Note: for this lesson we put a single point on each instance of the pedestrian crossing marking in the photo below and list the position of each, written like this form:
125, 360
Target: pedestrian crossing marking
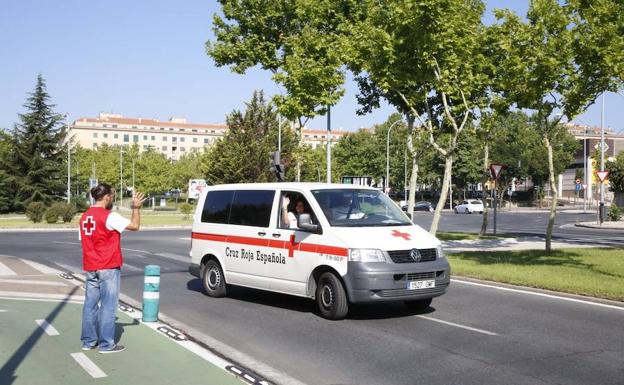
89, 366
4, 270
49, 329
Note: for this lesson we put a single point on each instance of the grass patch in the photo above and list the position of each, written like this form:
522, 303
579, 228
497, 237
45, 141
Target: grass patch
593, 272
15, 221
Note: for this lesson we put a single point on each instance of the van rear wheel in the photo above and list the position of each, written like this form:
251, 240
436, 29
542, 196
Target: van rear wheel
419, 304
331, 297
213, 279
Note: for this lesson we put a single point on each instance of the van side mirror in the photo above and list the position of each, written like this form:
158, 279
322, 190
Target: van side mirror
304, 222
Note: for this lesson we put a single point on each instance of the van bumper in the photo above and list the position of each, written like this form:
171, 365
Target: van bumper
194, 270
388, 282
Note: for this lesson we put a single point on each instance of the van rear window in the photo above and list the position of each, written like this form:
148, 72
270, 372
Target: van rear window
217, 206
252, 208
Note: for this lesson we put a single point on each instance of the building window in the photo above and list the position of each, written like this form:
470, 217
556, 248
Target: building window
126, 138
194, 140
212, 131
134, 126
95, 134
182, 129
170, 128
182, 149
94, 145
106, 125
135, 138
145, 146
164, 138
174, 139
162, 128
151, 128
174, 148
153, 137
144, 137
115, 136
105, 135
114, 126
181, 139
164, 148
205, 140
194, 130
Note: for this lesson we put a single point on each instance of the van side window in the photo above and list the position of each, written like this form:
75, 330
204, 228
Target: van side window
217, 206
252, 208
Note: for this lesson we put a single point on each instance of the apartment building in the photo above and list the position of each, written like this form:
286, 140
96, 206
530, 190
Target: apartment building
173, 138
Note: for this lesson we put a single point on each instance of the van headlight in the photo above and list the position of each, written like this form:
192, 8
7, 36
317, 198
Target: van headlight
366, 255
441, 252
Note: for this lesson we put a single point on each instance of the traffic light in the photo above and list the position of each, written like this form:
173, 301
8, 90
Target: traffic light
276, 166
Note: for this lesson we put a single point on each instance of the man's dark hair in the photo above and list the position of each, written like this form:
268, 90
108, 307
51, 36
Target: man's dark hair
100, 191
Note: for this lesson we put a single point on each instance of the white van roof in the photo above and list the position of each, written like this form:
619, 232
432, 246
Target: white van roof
291, 185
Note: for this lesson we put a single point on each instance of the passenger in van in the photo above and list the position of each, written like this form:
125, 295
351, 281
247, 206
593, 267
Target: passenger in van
289, 218
345, 208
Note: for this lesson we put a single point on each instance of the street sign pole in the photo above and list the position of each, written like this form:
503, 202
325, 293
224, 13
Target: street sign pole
495, 181
495, 170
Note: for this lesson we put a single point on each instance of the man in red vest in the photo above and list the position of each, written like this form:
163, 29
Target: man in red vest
100, 235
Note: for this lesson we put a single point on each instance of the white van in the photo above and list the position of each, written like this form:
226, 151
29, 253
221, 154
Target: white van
343, 244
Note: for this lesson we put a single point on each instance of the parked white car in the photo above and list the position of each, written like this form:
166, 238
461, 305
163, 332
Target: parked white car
469, 207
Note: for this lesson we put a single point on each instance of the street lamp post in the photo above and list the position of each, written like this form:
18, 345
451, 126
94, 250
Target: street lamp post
68, 163
329, 178
585, 172
602, 160
387, 186
120, 176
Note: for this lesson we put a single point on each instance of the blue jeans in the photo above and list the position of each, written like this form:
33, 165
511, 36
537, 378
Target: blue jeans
100, 308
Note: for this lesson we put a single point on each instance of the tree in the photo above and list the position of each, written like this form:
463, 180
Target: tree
301, 43
560, 59
616, 178
7, 173
39, 151
242, 155
427, 59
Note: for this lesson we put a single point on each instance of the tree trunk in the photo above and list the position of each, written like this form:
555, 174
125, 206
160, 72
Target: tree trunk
486, 170
414, 177
448, 168
554, 193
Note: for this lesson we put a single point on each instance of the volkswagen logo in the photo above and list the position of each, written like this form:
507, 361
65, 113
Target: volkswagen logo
415, 254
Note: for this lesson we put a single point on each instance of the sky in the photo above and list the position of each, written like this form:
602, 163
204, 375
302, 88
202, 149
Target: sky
147, 59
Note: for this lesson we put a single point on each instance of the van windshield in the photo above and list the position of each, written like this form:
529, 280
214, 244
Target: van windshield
359, 208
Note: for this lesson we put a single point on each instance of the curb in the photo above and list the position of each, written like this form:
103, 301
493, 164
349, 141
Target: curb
591, 225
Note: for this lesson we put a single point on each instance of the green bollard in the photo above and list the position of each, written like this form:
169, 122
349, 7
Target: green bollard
151, 293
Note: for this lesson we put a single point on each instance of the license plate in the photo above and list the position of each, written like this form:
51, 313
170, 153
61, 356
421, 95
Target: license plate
426, 284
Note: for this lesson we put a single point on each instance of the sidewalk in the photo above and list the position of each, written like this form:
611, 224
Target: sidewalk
40, 318
502, 244
619, 225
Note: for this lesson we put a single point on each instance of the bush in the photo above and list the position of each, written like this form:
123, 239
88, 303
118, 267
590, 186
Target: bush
51, 215
67, 212
186, 209
615, 213
35, 210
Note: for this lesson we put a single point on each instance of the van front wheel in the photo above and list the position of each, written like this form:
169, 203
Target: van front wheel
213, 279
331, 297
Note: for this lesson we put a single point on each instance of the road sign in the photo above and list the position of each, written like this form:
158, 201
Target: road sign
495, 169
605, 146
602, 175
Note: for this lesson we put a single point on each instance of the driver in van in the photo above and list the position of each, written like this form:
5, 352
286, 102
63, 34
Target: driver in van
289, 218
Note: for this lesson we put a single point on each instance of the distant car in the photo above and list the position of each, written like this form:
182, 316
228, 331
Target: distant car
469, 207
421, 206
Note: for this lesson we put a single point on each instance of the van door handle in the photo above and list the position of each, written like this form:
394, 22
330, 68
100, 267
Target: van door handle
261, 233
276, 235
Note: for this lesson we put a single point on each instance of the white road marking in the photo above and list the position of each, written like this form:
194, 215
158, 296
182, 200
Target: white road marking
4, 270
458, 325
175, 257
69, 268
3, 310
66, 243
49, 329
32, 282
89, 366
551, 296
127, 266
41, 297
39, 267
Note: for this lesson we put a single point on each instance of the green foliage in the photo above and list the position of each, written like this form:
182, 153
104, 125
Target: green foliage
39, 159
616, 173
615, 213
35, 211
301, 43
242, 155
8, 180
51, 215
67, 212
186, 209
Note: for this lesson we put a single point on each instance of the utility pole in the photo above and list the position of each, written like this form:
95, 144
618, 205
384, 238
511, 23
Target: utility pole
279, 133
120, 176
329, 179
602, 161
68, 163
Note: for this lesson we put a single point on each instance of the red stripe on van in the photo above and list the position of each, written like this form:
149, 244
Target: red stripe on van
308, 247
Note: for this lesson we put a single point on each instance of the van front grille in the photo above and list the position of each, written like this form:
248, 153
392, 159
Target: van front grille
404, 256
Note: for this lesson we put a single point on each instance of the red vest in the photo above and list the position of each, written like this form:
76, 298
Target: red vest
101, 248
